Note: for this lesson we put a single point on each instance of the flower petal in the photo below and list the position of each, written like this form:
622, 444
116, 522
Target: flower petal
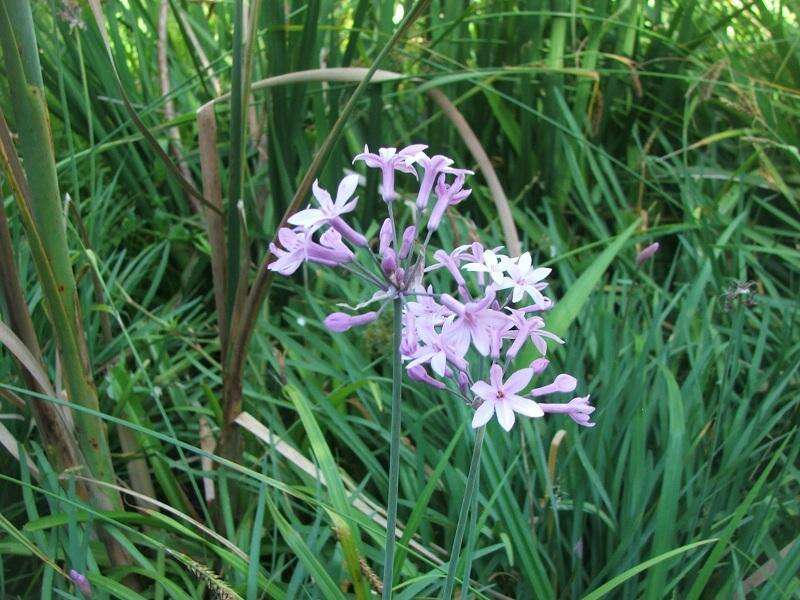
307, 218
412, 149
423, 355
346, 188
288, 238
322, 196
438, 363
484, 391
481, 340
518, 381
536, 295
540, 344
496, 376
539, 274
524, 406
475, 267
483, 415
505, 415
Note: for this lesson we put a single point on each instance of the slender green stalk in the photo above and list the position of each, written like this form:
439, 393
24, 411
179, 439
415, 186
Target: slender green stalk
466, 501
236, 169
471, 535
394, 451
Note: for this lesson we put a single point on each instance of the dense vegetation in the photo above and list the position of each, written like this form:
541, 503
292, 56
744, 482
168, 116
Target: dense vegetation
610, 125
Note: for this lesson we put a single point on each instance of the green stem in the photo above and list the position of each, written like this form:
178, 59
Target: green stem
469, 492
236, 169
394, 452
471, 536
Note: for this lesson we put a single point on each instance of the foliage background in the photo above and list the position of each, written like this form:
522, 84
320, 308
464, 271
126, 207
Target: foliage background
680, 114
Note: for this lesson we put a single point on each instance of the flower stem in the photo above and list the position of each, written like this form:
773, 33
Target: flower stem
394, 452
466, 501
472, 534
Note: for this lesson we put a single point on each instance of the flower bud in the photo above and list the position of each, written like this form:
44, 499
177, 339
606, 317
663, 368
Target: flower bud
389, 262
386, 236
562, 383
398, 278
463, 383
647, 253
339, 321
80, 581
418, 373
565, 383
409, 235
409, 341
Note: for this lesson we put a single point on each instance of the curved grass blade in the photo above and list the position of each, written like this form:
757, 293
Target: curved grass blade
633, 571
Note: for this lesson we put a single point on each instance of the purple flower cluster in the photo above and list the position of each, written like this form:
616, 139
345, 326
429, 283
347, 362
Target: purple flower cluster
463, 342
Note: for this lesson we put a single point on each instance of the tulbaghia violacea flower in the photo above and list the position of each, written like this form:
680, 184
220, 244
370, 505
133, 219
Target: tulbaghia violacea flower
440, 348
493, 264
563, 383
578, 410
529, 328
480, 302
409, 235
425, 308
475, 320
522, 279
447, 196
330, 212
299, 245
389, 160
432, 167
502, 398
449, 262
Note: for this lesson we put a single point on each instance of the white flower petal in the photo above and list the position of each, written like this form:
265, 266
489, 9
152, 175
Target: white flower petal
483, 391
518, 381
505, 415
483, 415
346, 188
322, 195
307, 218
524, 406
438, 363
475, 267
539, 274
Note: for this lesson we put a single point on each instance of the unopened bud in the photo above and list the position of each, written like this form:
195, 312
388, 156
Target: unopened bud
339, 321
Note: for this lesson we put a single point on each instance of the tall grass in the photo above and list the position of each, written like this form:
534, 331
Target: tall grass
599, 127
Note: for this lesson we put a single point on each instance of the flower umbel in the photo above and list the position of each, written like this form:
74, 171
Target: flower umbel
495, 306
